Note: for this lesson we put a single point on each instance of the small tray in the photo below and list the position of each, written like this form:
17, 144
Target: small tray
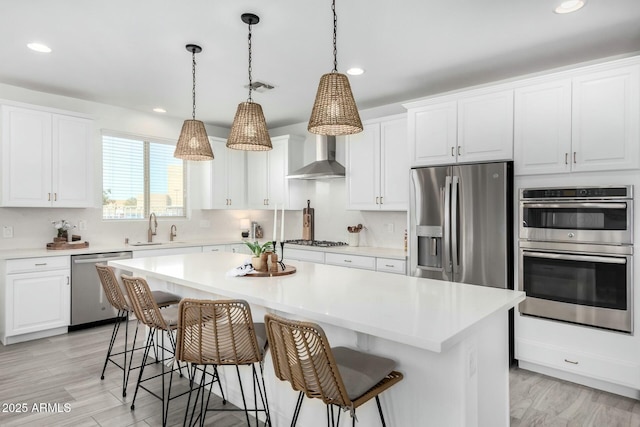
67, 245
289, 269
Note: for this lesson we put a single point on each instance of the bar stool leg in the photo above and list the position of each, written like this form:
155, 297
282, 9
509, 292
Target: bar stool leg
296, 412
114, 334
244, 403
380, 411
144, 362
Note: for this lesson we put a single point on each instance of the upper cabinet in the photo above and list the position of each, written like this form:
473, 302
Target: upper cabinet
47, 159
267, 183
461, 128
588, 122
228, 177
377, 169
606, 118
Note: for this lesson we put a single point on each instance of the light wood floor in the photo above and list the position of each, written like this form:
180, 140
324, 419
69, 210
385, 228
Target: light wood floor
66, 370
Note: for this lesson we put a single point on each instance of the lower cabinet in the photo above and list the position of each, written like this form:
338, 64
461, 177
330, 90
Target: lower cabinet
303, 255
37, 298
353, 261
391, 265
167, 251
590, 365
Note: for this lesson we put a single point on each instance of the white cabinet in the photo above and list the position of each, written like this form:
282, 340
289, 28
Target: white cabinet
238, 248
391, 265
353, 261
606, 120
37, 298
589, 122
467, 127
542, 128
47, 159
378, 166
214, 248
228, 177
303, 255
267, 171
166, 251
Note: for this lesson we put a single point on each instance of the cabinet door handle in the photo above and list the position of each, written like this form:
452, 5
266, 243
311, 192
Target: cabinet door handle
377, 200
453, 154
48, 197
389, 265
68, 283
230, 202
347, 260
55, 197
573, 362
381, 199
574, 157
459, 151
566, 157
42, 264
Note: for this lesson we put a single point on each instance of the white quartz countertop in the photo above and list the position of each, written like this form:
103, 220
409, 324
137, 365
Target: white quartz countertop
41, 252
429, 314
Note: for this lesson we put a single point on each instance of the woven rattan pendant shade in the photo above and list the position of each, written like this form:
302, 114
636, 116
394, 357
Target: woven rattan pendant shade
249, 129
335, 111
193, 143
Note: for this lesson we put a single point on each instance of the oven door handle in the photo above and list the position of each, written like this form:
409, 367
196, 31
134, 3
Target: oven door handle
588, 258
575, 205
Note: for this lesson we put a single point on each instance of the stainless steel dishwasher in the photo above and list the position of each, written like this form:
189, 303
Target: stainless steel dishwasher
89, 304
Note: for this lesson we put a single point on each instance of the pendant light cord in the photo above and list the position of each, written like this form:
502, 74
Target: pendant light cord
193, 92
335, 37
250, 82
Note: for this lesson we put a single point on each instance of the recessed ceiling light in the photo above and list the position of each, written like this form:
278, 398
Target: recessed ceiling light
355, 71
569, 6
159, 110
39, 47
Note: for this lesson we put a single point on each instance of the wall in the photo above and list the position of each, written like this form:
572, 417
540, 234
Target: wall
32, 226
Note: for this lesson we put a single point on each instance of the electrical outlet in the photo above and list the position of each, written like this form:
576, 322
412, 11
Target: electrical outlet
82, 225
7, 232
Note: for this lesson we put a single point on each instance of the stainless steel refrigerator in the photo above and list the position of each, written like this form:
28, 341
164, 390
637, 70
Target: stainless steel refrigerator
461, 223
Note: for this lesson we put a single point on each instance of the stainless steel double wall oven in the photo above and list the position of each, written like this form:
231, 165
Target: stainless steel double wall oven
576, 255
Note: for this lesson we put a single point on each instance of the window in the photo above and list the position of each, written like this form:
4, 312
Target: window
140, 176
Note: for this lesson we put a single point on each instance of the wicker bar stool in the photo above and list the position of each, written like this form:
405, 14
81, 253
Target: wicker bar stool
117, 298
341, 377
217, 333
163, 321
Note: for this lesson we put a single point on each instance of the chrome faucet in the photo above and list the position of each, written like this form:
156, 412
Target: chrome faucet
152, 231
172, 232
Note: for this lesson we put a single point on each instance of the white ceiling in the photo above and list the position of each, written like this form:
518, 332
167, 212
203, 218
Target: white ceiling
131, 53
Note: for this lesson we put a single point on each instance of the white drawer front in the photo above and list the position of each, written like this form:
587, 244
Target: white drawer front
26, 265
303, 255
391, 265
355, 261
589, 365
214, 248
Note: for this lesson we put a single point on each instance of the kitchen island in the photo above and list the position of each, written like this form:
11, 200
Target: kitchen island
450, 339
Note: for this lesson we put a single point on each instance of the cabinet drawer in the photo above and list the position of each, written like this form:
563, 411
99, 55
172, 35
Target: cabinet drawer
26, 265
214, 248
589, 365
355, 261
303, 255
391, 265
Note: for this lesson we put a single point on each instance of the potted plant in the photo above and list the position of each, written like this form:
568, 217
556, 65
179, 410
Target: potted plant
258, 250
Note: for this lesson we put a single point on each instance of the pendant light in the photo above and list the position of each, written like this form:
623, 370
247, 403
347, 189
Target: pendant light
249, 129
193, 143
335, 111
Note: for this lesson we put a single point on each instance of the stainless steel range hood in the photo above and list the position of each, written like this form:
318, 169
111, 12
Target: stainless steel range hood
325, 165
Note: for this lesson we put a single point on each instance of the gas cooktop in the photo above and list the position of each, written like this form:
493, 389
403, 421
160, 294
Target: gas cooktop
320, 243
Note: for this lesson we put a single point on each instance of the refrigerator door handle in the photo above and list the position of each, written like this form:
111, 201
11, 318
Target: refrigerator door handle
446, 238
454, 224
